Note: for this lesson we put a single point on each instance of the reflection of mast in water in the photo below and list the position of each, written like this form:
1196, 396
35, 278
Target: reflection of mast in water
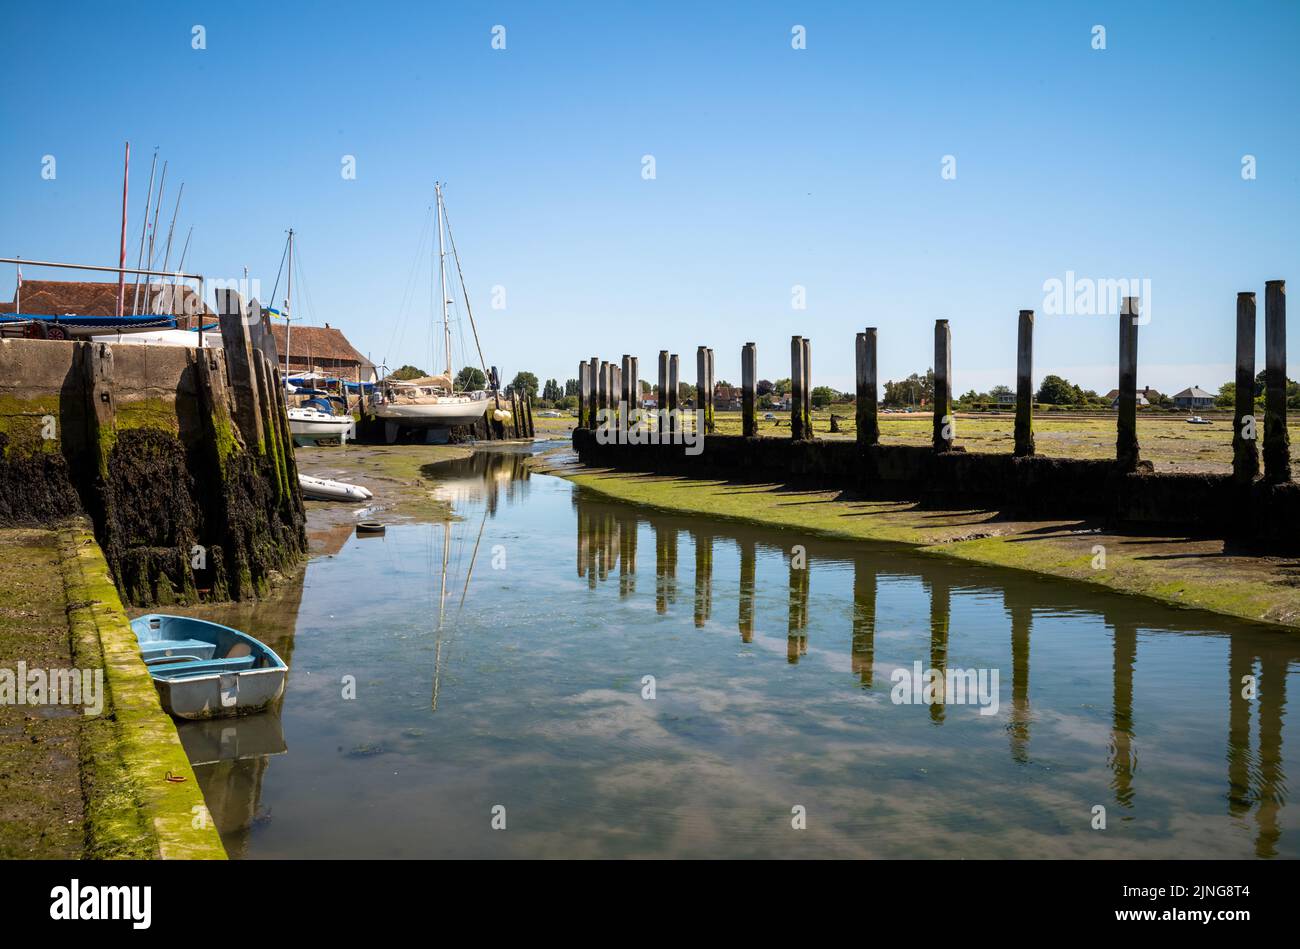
747, 568
862, 654
442, 599
703, 577
797, 637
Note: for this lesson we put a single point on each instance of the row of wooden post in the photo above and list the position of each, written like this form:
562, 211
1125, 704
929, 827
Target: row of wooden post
593, 397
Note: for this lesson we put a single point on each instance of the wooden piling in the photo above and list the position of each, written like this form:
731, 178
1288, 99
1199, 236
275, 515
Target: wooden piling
709, 427
942, 436
584, 393
593, 369
1245, 450
868, 420
796, 389
749, 390
615, 392
238, 346
674, 390
602, 392
625, 384
702, 386
1025, 385
1277, 444
635, 385
1126, 442
661, 393
807, 387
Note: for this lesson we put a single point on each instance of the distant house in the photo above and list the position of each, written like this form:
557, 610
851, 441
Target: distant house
1194, 398
726, 397
1005, 396
323, 350
1146, 396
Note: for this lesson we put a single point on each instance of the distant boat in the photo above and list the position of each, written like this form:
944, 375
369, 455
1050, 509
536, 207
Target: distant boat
205, 670
1197, 420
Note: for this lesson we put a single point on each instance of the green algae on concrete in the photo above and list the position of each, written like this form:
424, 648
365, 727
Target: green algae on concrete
141, 797
1205, 575
41, 813
25, 422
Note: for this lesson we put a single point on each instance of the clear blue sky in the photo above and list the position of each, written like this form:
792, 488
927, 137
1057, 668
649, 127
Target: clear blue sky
775, 167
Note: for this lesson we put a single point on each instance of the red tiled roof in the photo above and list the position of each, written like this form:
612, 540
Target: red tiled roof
87, 298
313, 344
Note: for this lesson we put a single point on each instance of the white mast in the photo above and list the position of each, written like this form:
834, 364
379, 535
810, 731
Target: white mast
442, 275
288, 314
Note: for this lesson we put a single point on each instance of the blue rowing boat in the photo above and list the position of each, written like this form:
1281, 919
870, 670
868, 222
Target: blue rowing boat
206, 670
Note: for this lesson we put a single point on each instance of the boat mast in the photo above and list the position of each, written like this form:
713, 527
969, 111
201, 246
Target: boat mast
465, 293
442, 278
288, 315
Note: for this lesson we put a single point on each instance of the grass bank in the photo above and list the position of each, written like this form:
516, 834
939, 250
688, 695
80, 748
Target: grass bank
1181, 571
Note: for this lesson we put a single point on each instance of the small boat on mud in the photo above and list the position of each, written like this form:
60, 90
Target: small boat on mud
206, 670
323, 489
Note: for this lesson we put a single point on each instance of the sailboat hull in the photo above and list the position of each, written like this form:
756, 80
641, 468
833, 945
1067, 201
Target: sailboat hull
441, 414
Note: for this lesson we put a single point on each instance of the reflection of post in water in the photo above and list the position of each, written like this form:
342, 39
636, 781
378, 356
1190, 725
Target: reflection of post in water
748, 562
582, 519
703, 577
1022, 617
1240, 665
1265, 787
1272, 779
665, 567
593, 549
863, 650
940, 616
627, 556
1122, 755
602, 546
797, 640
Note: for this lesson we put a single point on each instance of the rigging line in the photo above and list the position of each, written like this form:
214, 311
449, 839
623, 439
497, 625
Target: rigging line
276, 288
408, 293
463, 290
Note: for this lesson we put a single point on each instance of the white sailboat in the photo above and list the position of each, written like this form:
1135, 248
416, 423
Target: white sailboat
432, 401
308, 424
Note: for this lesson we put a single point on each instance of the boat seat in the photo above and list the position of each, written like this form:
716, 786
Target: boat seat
167, 650
196, 667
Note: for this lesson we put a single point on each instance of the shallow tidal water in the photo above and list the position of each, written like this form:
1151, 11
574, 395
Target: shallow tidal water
511, 688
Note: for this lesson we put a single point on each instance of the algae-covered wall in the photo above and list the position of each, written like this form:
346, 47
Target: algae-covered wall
143, 440
1038, 486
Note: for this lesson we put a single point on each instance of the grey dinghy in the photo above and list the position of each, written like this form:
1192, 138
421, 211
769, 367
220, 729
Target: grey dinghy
205, 670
